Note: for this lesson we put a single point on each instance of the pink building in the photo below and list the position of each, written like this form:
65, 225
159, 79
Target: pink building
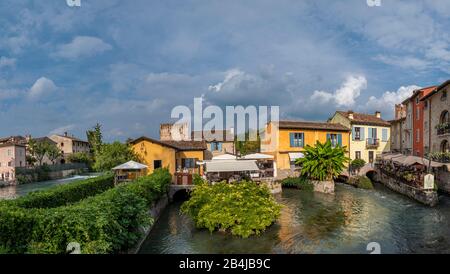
12, 156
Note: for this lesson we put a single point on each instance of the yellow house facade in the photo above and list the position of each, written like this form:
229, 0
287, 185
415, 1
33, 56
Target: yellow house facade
286, 140
370, 135
177, 156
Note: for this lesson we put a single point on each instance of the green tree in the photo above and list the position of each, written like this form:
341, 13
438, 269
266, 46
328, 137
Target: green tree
38, 150
247, 147
357, 164
112, 155
323, 162
53, 152
95, 138
80, 157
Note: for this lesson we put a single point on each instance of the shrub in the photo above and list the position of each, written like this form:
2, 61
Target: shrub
109, 222
66, 194
361, 182
357, 164
300, 182
242, 208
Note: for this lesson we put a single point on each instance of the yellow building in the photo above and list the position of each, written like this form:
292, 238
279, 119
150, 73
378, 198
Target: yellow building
370, 135
180, 157
286, 140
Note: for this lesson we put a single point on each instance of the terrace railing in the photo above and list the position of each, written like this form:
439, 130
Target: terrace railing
372, 143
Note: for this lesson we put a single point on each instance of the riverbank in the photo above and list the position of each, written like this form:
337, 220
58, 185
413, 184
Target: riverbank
318, 223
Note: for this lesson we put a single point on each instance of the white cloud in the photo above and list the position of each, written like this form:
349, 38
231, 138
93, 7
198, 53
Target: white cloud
230, 76
43, 86
82, 46
61, 130
7, 62
387, 101
345, 96
406, 62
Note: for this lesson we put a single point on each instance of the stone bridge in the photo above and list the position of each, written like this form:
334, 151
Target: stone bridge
174, 189
365, 170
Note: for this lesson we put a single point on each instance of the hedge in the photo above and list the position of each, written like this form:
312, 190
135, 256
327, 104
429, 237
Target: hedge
106, 223
66, 194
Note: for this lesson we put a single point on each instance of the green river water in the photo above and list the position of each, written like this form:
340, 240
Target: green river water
318, 223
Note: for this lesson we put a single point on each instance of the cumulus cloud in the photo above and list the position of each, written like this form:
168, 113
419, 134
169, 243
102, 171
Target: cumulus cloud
345, 96
43, 86
387, 101
82, 46
63, 129
7, 62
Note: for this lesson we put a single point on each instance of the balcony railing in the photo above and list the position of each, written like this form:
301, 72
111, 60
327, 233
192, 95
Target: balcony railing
443, 128
372, 143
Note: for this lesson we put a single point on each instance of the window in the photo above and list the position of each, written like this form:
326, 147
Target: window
157, 164
445, 117
445, 147
417, 100
336, 139
188, 163
62, 144
296, 139
384, 134
357, 154
9, 152
9, 163
425, 105
444, 95
216, 146
357, 134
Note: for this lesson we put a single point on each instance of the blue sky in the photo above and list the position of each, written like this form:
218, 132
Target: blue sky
126, 64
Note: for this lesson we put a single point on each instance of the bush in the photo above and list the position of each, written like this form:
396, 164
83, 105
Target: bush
299, 182
243, 208
361, 182
109, 222
66, 194
357, 164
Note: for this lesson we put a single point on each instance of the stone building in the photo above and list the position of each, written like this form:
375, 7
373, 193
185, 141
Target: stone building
219, 142
437, 119
397, 129
12, 156
69, 144
174, 132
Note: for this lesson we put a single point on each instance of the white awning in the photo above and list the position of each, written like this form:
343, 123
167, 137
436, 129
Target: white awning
131, 165
296, 155
257, 156
224, 157
231, 166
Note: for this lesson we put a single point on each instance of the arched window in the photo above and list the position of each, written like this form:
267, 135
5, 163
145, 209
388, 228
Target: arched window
445, 117
445, 147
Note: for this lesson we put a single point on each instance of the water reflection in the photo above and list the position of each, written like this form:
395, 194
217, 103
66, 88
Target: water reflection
318, 223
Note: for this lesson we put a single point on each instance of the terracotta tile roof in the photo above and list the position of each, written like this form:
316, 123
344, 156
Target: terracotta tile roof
311, 125
73, 138
13, 140
177, 145
365, 119
435, 90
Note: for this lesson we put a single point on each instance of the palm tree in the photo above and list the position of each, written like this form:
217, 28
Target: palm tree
323, 162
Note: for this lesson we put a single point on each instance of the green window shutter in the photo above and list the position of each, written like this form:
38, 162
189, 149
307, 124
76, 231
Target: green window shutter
339, 139
362, 132
385, 134
328, 137
291, 137
354, 133
370, 133
302, 144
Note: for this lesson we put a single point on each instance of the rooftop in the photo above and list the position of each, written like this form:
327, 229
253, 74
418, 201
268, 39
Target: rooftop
365, 119
311, 125
178, 145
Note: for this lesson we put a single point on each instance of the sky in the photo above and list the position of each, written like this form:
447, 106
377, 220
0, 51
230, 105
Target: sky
126, 64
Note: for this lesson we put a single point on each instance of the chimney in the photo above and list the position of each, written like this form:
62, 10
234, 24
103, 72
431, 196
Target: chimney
378, 114
65, 134
350, 114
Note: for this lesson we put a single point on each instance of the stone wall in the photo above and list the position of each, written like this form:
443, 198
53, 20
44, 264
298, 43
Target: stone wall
286, 173
426, 197
324, 186
443, 180
154, 212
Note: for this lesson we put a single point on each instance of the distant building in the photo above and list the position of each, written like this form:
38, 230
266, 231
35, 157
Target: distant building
397, 129
12, 156
70, 145
174, 132
437, 119
370, 135
219, 142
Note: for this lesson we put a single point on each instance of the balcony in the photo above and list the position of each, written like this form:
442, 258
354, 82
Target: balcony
372, 143
443, 128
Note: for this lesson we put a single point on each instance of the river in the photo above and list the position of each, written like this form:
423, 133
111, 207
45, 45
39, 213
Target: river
319, 223
11, 192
